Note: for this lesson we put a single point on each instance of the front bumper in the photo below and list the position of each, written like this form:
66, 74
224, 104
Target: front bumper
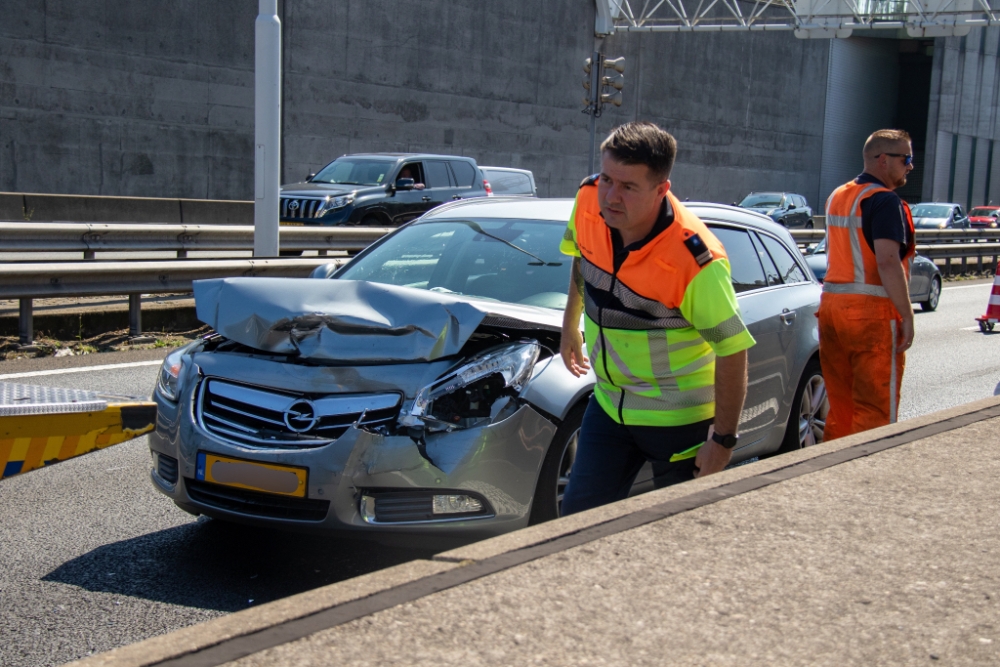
498, 463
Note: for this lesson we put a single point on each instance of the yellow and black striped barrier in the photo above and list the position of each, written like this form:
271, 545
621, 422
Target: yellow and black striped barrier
40, 426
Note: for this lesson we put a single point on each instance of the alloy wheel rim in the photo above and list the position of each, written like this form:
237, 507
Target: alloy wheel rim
935, 294
813, 409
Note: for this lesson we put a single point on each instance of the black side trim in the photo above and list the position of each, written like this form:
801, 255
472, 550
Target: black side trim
135, 417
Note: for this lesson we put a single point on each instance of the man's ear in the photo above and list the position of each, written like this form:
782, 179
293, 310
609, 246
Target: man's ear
663, 188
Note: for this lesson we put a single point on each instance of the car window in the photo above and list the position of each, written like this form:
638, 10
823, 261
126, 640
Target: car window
414, 170
802, 201
761, 200
930, 211
958, 211
465, 174
474, 258
437, 174
509, 183
788, 268
350, 171
770, 270
746, 270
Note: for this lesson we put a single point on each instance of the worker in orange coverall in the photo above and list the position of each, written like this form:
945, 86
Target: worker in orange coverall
865, 316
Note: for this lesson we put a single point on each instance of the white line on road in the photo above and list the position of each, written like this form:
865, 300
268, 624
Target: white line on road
968, 286
81, 369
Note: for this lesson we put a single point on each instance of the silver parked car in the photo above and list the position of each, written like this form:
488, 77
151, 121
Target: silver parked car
417, 391
928, 215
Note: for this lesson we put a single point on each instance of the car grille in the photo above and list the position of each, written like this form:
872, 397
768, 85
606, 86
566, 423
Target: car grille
297, 207
265, 418
166, 468
256, 503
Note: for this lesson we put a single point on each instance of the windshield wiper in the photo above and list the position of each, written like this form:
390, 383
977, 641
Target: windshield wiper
538, 260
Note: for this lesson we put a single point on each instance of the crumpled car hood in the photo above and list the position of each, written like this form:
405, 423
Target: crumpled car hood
352, 320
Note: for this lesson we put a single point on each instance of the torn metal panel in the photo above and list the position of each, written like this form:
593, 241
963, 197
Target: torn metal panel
348, 320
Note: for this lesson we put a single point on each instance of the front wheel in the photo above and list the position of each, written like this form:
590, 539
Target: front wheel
933, 296
554, 475
809, 409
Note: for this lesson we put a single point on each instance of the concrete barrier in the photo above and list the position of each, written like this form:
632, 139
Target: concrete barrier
40, 207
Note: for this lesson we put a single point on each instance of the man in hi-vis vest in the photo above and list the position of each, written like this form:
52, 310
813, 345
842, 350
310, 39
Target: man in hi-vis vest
662, 326
865, 316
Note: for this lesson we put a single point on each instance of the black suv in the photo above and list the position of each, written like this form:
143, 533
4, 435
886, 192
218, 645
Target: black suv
785, 208
380, 189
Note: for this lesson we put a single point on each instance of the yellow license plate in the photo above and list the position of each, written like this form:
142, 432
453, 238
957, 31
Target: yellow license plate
292, 224
252, 475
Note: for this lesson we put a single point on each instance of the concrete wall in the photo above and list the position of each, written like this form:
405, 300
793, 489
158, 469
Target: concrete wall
962, 128
153, 99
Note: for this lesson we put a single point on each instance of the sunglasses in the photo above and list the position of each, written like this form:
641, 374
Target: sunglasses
907, 158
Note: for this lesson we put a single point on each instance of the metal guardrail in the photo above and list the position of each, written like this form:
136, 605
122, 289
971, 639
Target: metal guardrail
29, 281
89, 238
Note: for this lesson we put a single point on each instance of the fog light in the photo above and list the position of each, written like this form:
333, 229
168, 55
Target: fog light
456, 505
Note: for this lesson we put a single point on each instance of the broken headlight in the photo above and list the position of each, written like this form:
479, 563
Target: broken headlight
465, 396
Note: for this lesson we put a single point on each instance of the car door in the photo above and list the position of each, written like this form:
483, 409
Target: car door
464, 176
405, 205
439, 187
760, 294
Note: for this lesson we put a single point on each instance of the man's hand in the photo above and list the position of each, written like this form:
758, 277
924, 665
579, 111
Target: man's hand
571, 349
571, 342
890, 271
904, 336
712, 457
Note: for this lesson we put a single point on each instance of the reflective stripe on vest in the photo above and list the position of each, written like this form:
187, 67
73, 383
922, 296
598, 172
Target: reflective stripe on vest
852, 265
652, 366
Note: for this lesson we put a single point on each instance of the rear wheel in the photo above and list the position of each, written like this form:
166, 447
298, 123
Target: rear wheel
809, 224
933, 296
809, 409
554, 475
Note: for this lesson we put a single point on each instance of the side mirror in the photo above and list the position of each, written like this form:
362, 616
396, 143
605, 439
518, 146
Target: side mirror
791, 207
404, 183
310, 177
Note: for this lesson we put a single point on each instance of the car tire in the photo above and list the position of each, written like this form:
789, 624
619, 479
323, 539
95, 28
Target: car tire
810, 224
933, 296
782, 223
554, 475
809, 409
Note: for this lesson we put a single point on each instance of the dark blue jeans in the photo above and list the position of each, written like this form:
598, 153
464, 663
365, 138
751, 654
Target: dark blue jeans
609, 455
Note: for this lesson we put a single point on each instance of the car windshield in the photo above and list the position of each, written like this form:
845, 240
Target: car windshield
353, 171
517, 261
931, 211
983, 212
762, 199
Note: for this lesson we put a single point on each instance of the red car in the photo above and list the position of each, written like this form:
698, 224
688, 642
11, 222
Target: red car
984, 217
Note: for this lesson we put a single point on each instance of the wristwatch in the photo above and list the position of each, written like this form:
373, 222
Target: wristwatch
727, 441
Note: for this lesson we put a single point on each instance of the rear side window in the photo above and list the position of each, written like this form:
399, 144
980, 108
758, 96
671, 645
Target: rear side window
437, 174
465, 174
509, 183
788, 268
743, 260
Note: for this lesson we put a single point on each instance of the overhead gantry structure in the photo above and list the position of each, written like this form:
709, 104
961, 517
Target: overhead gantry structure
807, 18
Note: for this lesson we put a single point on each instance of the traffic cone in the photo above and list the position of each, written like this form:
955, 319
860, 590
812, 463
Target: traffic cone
992, 316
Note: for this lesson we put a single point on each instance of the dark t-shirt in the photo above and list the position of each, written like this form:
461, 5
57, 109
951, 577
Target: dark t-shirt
882, 216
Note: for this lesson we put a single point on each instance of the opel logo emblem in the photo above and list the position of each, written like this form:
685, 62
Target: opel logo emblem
300, 416
293, 205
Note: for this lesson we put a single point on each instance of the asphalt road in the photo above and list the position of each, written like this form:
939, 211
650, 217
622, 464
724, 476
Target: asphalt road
91, 557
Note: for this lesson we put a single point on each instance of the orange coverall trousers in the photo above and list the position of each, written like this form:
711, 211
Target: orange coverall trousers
863, 371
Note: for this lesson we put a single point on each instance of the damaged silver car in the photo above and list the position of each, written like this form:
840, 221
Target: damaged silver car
417, 390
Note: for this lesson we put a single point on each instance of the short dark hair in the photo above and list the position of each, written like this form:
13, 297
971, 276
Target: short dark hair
881, 141
645, 143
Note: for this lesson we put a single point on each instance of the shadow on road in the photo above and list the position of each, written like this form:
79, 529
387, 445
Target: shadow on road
227, 567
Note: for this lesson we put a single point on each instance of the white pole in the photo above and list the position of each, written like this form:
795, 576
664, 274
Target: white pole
267, 129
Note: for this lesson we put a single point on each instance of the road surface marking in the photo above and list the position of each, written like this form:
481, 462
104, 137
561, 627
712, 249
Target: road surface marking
968, 286
81, 369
